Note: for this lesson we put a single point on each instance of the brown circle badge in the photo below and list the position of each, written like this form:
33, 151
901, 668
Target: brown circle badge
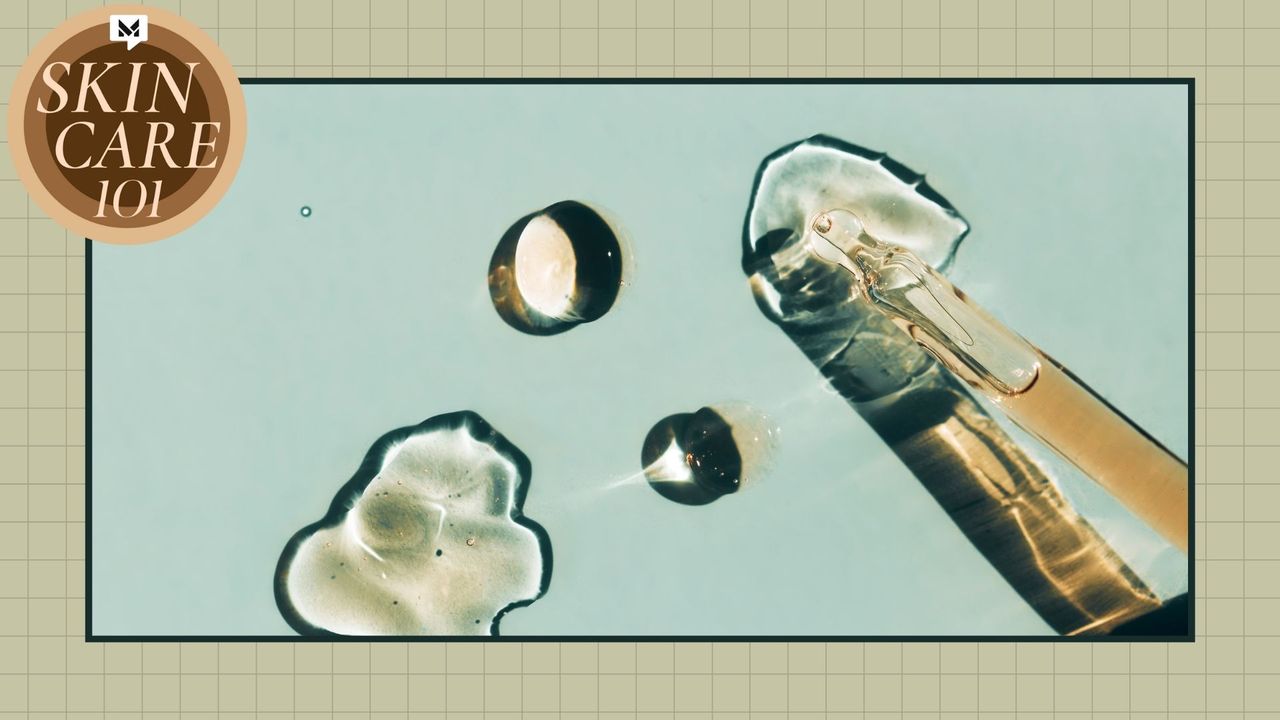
126, 124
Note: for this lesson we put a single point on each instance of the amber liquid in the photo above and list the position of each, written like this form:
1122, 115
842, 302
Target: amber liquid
1003, 502
1062, 412
1009, 509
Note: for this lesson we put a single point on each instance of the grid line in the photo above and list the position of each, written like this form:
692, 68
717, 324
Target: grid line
46, 671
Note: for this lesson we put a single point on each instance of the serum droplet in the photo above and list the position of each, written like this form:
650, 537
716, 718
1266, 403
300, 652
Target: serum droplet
557, 268
696, 458
450, 465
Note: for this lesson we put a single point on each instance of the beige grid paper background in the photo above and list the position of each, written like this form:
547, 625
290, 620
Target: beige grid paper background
1231, 47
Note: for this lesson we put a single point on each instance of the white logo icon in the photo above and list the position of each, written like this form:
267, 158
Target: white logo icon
130, 29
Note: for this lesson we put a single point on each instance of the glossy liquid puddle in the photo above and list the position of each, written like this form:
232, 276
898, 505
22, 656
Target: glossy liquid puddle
428, 538
697, 458
557, 268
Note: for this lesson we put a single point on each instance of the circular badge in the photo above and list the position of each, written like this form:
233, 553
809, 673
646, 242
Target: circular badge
126, 124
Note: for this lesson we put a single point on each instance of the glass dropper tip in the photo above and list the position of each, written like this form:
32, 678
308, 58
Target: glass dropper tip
835, 236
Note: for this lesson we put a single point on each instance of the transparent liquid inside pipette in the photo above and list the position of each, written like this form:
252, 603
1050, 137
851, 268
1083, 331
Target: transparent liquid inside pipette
933, 312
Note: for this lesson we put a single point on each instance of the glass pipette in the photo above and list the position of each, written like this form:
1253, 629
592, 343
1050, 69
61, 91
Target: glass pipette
1036, 392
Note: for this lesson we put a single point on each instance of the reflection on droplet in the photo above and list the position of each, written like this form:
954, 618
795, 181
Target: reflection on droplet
391, 519
557, 268
305, 211
696, 458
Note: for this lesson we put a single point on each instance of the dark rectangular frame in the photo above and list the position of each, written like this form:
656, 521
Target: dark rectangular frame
1189, 83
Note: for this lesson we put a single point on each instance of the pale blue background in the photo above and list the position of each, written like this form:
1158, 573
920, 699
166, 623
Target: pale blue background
242, 369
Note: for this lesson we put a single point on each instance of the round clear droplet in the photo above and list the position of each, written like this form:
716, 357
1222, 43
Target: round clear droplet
696, 458
558, 268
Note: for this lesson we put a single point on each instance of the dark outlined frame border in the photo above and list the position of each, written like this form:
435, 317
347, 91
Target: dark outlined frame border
1187, 82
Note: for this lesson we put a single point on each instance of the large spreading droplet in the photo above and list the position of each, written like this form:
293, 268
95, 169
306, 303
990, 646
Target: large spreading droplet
428, 538
556, 268
696, 458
